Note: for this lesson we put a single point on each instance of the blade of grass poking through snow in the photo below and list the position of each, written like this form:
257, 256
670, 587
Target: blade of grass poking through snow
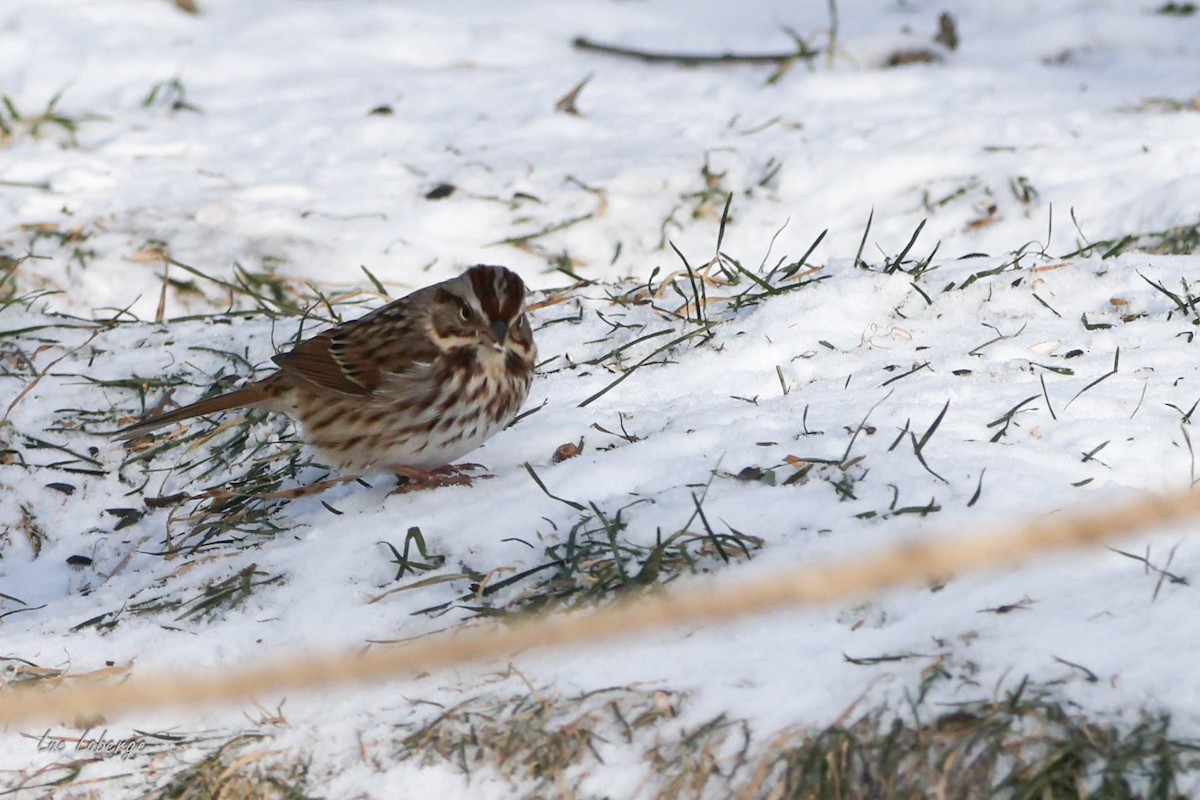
1187, 308
39, 375
239, 361
595, 561
627, 345
1187, 415
1090, 455
1046, 395
767, 288
987, 273
978, 489
528, 413
771, 246
919, 444
266, 289
899, 260
1119, 247
1141, 399
804, 258
34, 443
708, 528
320, 300
895, 378
1161, 572
404, 563
542, 486
1116, 365
694, 59
374, 281
524, 239
920, 291
1007, 418
796, 266
854, 436
243, 285
698, 297
228, 594
721, 227
162, 294
900, 436
858, 262
705, 330
998, 338
611, 529
1047, 305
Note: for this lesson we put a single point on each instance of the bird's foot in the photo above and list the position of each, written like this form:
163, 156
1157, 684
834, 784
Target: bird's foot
414, 480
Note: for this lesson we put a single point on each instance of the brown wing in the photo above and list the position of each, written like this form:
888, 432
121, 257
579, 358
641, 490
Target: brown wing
354, 357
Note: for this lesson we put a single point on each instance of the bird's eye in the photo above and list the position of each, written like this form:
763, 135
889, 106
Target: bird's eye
466, 313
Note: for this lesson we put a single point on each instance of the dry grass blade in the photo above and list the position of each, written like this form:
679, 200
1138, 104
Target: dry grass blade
701, 330
38, 377
695, 59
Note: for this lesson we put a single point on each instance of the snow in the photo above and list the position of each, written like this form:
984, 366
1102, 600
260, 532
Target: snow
284, 170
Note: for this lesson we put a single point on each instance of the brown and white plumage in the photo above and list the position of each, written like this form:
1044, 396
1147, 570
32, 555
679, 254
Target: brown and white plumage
415, 384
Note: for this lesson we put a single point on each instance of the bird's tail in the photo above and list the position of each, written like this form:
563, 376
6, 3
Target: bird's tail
251, 396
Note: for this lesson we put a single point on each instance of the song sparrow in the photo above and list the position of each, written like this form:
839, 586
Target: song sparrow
409, 387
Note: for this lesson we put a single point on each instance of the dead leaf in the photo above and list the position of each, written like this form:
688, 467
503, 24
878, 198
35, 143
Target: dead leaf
568, 450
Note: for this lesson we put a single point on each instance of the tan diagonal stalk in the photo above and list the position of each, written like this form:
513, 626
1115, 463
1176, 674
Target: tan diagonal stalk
855, 576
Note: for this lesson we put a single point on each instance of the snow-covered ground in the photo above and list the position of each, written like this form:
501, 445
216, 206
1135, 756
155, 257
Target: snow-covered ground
337, 142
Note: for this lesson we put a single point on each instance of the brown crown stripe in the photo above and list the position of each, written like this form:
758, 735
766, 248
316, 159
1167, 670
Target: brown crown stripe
514, 294
485, 289
500, 293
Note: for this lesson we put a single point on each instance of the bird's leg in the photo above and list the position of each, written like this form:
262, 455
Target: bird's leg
414, 480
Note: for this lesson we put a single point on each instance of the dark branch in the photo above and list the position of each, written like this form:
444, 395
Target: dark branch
694, 60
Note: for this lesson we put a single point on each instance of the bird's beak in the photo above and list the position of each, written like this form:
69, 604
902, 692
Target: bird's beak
499, 332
